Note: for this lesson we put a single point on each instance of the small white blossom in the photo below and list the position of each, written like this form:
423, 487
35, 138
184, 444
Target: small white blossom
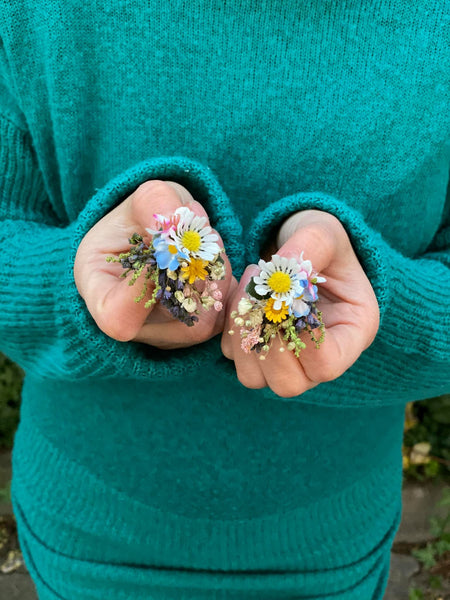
189, 304
244, 306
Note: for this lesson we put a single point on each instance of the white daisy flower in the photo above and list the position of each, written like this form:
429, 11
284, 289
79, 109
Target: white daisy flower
193, 237
279, 278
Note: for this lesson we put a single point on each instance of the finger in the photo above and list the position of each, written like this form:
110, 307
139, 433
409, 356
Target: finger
229, 340
284, 372
341, 348
325, 243
248, 368
165, 332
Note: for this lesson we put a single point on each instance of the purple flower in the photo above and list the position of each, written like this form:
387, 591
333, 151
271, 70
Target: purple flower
300, 324
312, 321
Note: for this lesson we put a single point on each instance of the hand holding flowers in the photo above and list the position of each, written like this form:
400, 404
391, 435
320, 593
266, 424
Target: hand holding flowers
182, 253
348, 307
193, 276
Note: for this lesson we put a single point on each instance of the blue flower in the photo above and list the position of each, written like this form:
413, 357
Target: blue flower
167, 255
300, 308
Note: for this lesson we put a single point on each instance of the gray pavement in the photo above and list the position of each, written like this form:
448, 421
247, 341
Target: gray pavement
419, 504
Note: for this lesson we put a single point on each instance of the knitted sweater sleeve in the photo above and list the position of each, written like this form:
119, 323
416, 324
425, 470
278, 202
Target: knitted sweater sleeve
44, 324
410, 357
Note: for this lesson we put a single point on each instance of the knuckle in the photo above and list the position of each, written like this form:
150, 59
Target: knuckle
286, 386
201, 332
182, 192
328, 371
115, 328
248, 380
287, 391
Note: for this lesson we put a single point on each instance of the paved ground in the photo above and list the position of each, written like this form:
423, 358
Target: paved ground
419, 504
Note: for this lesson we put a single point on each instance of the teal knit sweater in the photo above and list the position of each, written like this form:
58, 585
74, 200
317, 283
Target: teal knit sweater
148, 474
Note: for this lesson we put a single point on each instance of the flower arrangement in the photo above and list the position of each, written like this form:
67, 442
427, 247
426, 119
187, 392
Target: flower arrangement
281, 303
183, 260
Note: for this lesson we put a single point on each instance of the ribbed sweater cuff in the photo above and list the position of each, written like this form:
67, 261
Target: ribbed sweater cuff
33, 291
91, 352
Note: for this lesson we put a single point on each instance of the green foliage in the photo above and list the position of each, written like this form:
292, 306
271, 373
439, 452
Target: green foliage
436, 582
251, 291
433, 419
415, 594
10, 387
427, 555
435, 553
5, 493
432, 469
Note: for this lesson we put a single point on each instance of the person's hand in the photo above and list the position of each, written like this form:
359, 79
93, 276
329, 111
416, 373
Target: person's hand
347, 301
110, 300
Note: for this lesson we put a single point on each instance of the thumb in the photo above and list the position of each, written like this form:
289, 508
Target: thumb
313, 233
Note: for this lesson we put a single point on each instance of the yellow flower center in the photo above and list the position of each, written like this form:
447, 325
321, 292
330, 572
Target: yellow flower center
172, 249
195, 270
279, 282
191, 240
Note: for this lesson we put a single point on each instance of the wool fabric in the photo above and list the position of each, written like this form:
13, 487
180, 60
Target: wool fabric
147, 474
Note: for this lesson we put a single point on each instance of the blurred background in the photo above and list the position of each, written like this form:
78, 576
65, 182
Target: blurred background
420, 565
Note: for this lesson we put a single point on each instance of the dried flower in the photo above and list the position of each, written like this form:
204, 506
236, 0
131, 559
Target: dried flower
183, 251
244, 306
280, 303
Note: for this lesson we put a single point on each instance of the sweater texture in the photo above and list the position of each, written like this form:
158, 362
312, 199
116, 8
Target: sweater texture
148, 474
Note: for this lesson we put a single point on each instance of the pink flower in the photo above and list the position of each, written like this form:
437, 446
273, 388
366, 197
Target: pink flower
218, 306
250, 340
217, 295
166, 225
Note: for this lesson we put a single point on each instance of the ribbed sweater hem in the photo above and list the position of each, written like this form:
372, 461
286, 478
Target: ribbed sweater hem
57, 495
60, 577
